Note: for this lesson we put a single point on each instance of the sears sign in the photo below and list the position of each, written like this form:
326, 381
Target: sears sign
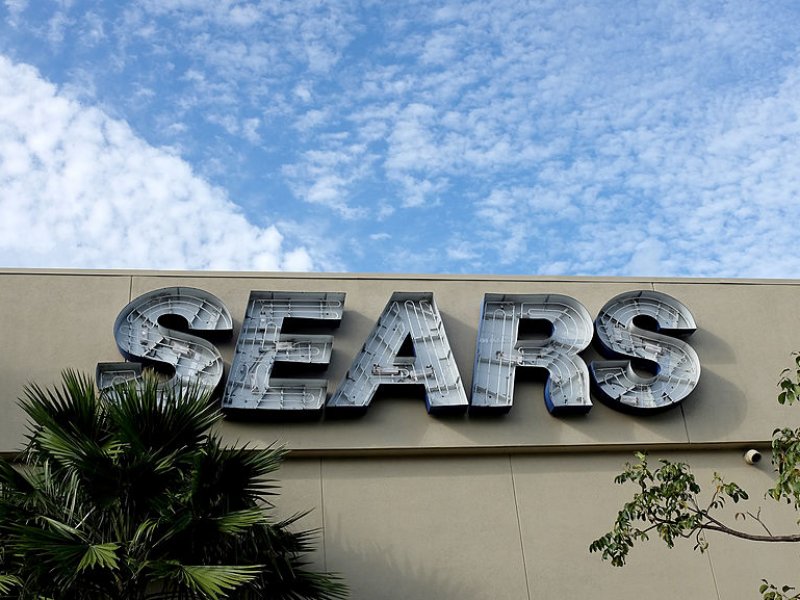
408, 345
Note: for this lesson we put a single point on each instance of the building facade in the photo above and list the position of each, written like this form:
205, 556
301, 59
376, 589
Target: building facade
459, 503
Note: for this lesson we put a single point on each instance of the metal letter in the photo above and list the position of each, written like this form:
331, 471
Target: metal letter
141, 337
407, 315
261, 344
499, 351
676, 365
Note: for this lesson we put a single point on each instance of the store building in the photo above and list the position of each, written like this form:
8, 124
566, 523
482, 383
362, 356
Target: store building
498, 503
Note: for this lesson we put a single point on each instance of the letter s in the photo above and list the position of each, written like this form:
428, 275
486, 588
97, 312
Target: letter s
144, 334
674, 362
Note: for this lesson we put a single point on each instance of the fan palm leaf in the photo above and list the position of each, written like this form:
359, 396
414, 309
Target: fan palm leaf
127, 494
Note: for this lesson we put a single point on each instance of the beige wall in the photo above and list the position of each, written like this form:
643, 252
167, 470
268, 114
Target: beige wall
486, 508
519, 527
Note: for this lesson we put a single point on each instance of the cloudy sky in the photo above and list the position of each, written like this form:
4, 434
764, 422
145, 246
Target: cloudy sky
602, 138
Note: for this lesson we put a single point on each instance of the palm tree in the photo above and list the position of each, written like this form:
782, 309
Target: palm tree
128, 494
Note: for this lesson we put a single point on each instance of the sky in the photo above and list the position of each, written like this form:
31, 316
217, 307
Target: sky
499, 137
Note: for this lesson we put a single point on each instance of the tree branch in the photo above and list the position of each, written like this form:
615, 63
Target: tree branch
722, 528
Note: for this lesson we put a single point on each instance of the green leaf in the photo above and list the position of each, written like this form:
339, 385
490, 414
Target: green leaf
238, 521
212, 581
8, 583
130, 490
100, 555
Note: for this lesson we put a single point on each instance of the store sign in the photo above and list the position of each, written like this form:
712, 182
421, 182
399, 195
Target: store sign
408, 346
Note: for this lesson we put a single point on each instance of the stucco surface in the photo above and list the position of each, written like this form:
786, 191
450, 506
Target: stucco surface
49, 323
519, 527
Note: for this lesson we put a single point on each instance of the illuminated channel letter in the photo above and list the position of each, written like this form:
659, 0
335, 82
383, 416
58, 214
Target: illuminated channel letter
500, 351
262, 344
144, 334
674, 363
388, 358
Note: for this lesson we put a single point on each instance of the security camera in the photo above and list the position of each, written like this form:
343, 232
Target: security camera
752, 457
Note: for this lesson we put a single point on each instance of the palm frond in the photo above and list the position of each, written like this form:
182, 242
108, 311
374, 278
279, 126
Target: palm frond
99, 555
235, 478
8, 583
12, 478
160, 420
126, 493
209, 581
237, 521
72, 407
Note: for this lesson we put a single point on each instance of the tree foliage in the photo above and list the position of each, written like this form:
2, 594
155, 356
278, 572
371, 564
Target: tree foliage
128, 494
667, 502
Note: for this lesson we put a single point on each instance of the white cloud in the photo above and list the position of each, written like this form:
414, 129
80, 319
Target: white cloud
384, 211
419, 191
462, 250
325, 177
250, 130
578, 138
15, 8
310, 120
647, 258
80, 189
56, 28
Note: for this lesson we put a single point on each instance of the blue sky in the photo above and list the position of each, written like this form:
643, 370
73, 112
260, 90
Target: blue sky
563, 138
